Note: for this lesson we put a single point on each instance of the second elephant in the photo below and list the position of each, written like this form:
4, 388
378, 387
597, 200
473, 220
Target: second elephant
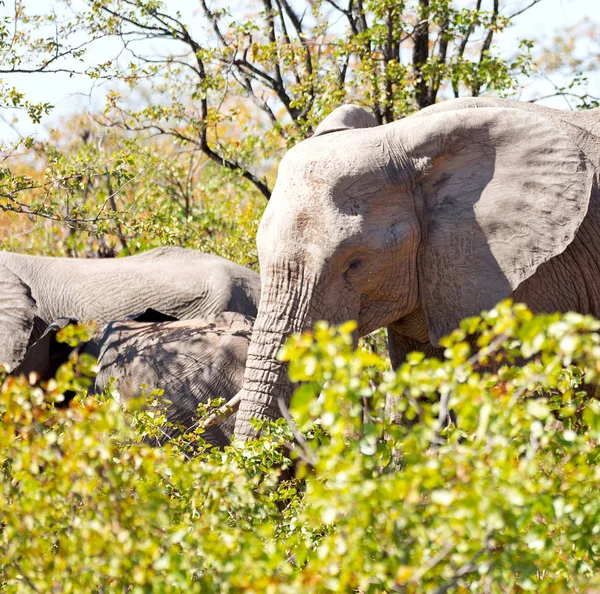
193, 361
182, 283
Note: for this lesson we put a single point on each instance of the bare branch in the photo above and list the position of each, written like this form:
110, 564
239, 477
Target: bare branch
43, 67
533, 3
421, 53
113, 205
287, 38
202, 143
434, 83
262, 104
563, 94
306, 453
210, 15
273, 39
222, 413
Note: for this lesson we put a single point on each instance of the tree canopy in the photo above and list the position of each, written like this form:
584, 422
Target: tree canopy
239, 84
235, 86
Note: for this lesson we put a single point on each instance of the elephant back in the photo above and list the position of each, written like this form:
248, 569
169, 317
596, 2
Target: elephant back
183, 283
191, 361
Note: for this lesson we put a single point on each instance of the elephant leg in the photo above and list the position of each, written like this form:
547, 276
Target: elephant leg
399, 346
17, 314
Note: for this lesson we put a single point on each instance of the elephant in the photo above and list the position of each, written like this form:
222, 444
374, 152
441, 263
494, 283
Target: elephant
183, 283
414, 225
192, 361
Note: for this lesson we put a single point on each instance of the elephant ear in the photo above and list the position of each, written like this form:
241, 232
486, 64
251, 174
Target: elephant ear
17, 315
503, 191
46, 355
346, 117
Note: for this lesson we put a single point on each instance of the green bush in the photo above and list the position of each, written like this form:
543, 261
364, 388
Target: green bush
507, 499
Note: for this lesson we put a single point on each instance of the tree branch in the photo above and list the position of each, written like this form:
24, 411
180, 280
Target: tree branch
461, 49
524, 9
436, 77
485, 48
421, 53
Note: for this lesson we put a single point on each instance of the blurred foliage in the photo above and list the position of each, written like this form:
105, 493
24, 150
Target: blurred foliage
573, 55
89, 191
507, 499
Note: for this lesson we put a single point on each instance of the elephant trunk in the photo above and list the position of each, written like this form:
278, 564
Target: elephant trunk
286, 307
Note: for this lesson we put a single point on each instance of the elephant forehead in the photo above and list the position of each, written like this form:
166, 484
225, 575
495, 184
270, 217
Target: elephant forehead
337, 156
314, 230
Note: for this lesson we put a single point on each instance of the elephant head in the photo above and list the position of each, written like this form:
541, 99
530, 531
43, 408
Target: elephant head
445, 214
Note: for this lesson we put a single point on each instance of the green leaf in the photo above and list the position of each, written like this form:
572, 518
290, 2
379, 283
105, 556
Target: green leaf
538, 409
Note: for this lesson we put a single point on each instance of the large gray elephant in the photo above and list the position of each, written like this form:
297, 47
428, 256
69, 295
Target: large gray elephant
183, 283
192, 361
417, 224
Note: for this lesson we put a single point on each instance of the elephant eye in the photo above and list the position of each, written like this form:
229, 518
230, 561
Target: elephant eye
353, 266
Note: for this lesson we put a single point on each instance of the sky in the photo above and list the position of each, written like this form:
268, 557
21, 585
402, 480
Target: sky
72, 94
543, 21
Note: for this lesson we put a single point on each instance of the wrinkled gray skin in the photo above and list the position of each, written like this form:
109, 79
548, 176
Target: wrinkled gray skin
183, 283
193, 361
417, 224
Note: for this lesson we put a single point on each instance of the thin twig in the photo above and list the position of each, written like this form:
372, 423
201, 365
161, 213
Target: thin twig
309, 455
222, 413
524, 9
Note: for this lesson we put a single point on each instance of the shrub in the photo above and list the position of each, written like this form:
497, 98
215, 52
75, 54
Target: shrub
506, 499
